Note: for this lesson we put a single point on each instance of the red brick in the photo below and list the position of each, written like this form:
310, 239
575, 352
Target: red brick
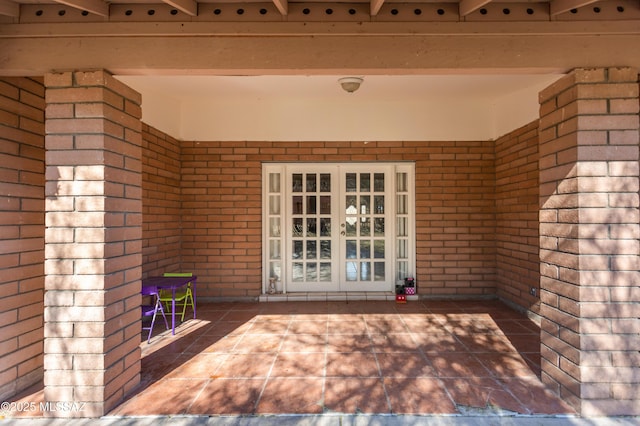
607, 122
9, 89
624, 106
624, 137
550, 93
590, 75
70, 95
622, 391
608, 91
22, 108
604, 201
62, 79
623, 74
93, 265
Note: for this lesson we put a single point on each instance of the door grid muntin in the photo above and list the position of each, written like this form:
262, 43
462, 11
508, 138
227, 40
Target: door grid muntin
364, 227
311, 223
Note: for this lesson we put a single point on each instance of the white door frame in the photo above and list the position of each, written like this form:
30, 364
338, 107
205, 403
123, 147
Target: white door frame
399, 223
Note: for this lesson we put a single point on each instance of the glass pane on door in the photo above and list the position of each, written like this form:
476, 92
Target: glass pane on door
363, 245
310, 219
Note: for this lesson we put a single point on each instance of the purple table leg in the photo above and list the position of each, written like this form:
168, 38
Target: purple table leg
173, 310
194, 297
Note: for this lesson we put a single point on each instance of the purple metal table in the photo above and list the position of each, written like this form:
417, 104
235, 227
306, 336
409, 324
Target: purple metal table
172, 283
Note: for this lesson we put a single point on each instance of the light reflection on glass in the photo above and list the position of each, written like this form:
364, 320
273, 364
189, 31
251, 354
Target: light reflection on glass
352, 248
379, 271
365, 271
312, 271
325, 271
378, 249
365, 182
296, 183
311, 249
351, 270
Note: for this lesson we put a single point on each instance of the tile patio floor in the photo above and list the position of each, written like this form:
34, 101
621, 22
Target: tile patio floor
425, 357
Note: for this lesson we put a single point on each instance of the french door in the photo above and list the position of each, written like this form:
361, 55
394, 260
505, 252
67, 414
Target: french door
337, 227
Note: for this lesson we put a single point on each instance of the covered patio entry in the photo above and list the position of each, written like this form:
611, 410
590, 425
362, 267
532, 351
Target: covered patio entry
464, 358
100, 189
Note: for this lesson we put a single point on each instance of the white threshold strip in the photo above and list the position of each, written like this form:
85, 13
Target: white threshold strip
319, 296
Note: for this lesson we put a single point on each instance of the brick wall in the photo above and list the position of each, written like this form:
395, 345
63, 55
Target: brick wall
455, 232
161, 215
21, 233
455, 217
93, 248
589, 239
517, 240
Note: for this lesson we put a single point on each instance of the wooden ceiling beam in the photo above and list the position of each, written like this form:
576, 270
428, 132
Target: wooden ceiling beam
375, 6
467, 7
9, 8
557, 7
283, 6
190, 7
98, 7
140, 48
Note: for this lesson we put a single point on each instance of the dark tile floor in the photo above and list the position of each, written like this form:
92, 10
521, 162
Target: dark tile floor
423, 357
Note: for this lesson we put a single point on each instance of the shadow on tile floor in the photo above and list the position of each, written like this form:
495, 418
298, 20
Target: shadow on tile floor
351, 358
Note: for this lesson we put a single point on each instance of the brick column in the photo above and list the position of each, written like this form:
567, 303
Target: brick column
93, 246
589, 240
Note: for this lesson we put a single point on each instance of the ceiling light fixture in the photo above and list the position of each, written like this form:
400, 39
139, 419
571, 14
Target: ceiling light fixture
350, 84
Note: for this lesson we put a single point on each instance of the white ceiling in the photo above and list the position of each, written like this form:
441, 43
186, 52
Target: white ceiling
298, 107
375, 87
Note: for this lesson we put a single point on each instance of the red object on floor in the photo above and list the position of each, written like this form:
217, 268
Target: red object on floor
401, 298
